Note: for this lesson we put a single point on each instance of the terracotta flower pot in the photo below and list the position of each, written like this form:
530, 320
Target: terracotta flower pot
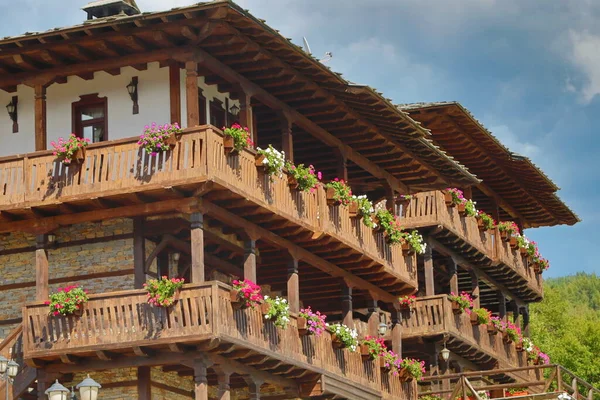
331, 201
474, 319
523, 251
506, 338
172, 140
480, 225
353, 209
513, 243
236, 301
407, 249
265, 308
364, 352
519, 347
448, 199
228, 144
292, 182
504, 236
462, 209
491, 329
456, 308
336, 342
302, 326
258, 161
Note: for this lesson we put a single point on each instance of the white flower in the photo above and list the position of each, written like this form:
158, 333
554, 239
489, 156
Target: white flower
266, 297
267, 316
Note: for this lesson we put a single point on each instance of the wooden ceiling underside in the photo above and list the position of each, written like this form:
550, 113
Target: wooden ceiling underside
357, 116
515, 180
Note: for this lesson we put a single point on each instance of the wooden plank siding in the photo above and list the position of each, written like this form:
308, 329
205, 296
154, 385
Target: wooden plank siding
121, 321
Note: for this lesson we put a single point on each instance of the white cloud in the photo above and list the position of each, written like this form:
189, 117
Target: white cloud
585, 56
514, 142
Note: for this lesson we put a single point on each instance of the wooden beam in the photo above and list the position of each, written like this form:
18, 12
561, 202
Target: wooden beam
303, 254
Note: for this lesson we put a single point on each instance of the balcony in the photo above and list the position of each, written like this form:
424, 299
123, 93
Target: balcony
122, 324
36, 192
428, 211
433, 317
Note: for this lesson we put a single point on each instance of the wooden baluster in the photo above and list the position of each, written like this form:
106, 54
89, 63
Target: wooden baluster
197, 239
41, 268
139, 253
575, 388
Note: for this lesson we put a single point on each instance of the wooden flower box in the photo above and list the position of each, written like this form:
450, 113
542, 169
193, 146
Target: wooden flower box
292, 182
474, 319
331, 201
456, 308
228, 145
364, 352
491, 329
407, 249
448, 199
302, 326
336, 342
461, 209
353, 209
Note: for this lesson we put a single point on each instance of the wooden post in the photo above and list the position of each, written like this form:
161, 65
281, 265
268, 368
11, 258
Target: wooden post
475, 288
250, 260
397, 332
428, 267
373, 315
144, 386
40, 117
139, 253
197, 239
42, 384
224, 392
287, 141
191, 93
525, 311
495, 210
468, 193
253, 387
245, 115
515, 311
502, 305
293, 285
347, 304
41, 268
200, 381
342, 164
175, 92
453, 271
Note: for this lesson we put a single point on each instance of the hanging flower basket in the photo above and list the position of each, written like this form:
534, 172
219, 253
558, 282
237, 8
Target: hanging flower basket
474, 319
492, 329
292, 182
456, 309
336, 342
331, 201
353, 209
228, 145
302, 326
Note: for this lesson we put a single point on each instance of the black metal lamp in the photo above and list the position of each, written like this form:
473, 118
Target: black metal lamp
235, 110
132, 89
12, 113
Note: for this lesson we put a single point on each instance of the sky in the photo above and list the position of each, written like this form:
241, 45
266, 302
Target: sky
529, 70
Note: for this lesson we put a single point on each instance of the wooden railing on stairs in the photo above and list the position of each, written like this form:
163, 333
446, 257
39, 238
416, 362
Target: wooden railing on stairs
12, 348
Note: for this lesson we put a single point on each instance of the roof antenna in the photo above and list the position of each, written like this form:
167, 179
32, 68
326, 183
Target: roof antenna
328, 54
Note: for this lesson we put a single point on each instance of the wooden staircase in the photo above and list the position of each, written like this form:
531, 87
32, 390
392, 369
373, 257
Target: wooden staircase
12, 348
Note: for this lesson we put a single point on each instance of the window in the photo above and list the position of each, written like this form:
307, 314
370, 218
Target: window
201, 107
90, 119
217, 113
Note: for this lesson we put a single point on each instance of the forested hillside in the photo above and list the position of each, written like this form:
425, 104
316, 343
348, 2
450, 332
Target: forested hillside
566, 325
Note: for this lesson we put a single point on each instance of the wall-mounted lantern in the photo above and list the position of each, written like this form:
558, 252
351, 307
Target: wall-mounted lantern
132, 89
234, 110
12, 113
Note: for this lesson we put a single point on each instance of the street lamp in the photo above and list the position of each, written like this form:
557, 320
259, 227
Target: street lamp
57, 392
88, 389
382, 328
445, 353
8, 371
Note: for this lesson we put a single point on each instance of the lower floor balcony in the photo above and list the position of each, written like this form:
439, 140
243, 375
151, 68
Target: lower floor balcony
122, 329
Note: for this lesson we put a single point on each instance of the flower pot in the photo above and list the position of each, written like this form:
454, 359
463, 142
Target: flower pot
504, 236
537, 268
513, 243
336, 342
456, 308
519, 346
378, 227
172, 140
79, 311
292, 182
331, 201
491, 329
407, 249
404, 375
364, 352
506, 338
474, 319
258, 161
302, 326
228, 144
523, 251
79, 156
353, 209
462, 209
516, 394
236, 301
448, 199
265, 308
480, 225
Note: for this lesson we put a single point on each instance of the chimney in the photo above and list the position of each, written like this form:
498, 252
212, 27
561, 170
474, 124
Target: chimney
110, 8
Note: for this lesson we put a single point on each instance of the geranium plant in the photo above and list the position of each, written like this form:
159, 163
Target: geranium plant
66, 150
241, 136
483, 316
415, 241
507, 229
315, 321
161, 293
470, 209
272, 161
156, 138
374, 346
247, 293
408, 301
390, 224
392, 362
414, 368
463, 301
67, 300
511, 331
456, 196
542, 264
346, 336
306, 178
365, 209
338, 192
279, 311
487, 222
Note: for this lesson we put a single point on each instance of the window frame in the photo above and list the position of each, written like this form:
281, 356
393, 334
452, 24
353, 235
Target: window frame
89, 100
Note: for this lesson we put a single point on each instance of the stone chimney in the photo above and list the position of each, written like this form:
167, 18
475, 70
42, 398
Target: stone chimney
110, 8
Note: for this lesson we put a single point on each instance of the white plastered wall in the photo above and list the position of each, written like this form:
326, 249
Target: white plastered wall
24, 140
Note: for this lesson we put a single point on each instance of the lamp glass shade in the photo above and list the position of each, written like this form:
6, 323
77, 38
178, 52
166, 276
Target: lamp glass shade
382, 328
445, 354
10, 107
176, 256
131, 88
235, 110
12, 369
57, 392
88, 389
3, 364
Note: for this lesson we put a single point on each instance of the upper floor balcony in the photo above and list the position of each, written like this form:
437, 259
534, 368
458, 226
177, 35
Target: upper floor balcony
484, 249
121, 328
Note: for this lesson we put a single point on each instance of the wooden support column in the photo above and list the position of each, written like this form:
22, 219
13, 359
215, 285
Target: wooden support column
525, 312
390, 198
41, 137
428, 266
397, 332
191, 93
253, 387
200, 380
502, 305
342, 164
41, 268
475, 288
453, 271
245, 115
224, 393
139, 253
373, 315
144, 385
515, 312
250, 260
468, 193
42, 384
175, 92
293, 285
495, 210
197, 239
347, 304
287, 141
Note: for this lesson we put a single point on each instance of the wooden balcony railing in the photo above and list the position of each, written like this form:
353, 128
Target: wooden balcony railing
429, 209
433, 315
121, 320
121, 167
